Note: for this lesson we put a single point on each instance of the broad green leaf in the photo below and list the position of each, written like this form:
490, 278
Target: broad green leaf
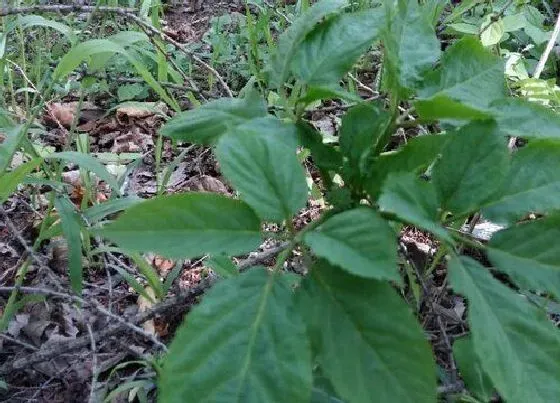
290, 39
91, 48
321, 396
530, 253
186, 226
469, 74
332, 48
415, 156
12, 136
243, 343
89, 163
363, 126
324, 156
517, 345
532, 184
10, 180
522, 118
462, 28
223, 266
414, 201
359, 241
433, 9
441, 106
477, 381
366, 339
411, 45
99, 211
323, 391
514, 22
491, 31
259, 159
205, 124
71, 228
473, 165
328, 92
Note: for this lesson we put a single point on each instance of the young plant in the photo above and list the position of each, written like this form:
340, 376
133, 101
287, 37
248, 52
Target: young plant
342, 331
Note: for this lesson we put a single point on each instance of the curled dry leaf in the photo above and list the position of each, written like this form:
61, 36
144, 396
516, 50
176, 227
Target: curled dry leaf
144, 305
63, 113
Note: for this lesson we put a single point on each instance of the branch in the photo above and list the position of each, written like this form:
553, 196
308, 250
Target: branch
60, 8
403, 249
50, 351
548, 49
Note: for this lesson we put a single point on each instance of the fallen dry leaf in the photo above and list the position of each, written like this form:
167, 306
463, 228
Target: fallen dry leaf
145, 304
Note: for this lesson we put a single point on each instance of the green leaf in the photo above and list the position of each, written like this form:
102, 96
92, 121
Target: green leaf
363, 126
243, 343
411, 45
414, 201
98, 212
324, 156
128, 92
223, 266
477, 381
290, 39
313, 94
359, 241
493, 31
28, 21
332, 48
366, 339
469, 74
94, 47
532, 184
71, 228
522, 118
187, 225
12, 137
516, 343
530, 254
88, 162
416, 155
441, 106
10, 180
473, 165
433, 9
205, 124
462, 28
259, 159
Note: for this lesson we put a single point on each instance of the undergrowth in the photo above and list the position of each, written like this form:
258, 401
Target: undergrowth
445, 118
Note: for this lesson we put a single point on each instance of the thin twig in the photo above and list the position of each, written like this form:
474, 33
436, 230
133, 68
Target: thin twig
19, 342
92, 397
261, 256
8, 222
94, 304
153, 30
48, 352
428, 297
548, 49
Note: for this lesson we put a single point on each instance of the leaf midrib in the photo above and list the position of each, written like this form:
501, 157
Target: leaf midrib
253, 335
358, 328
